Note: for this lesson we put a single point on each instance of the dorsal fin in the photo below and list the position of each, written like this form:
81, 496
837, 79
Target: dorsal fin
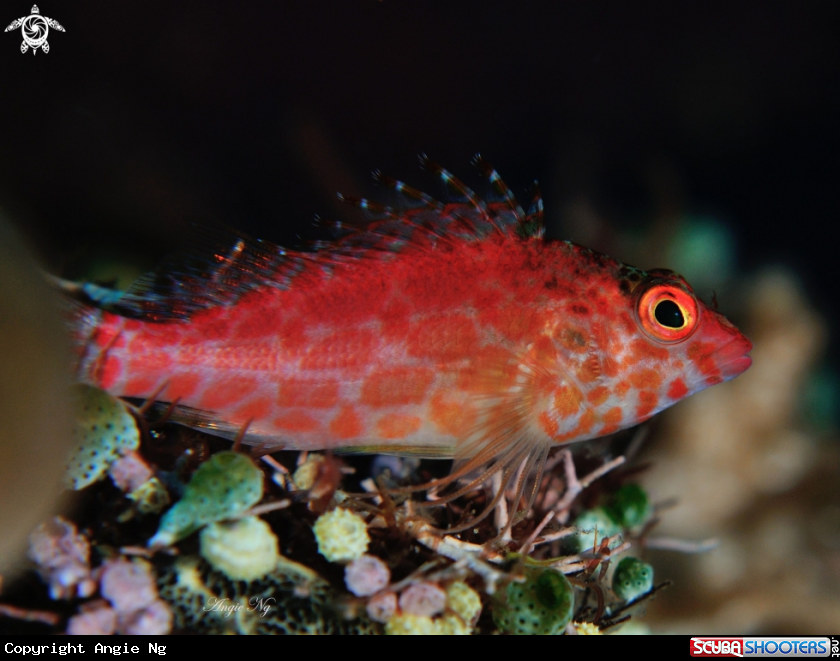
464, 216
222, 264
499, 186
534, 223
372, 210
457, 186
415, 199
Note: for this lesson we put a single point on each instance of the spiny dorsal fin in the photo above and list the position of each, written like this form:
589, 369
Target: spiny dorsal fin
415, 199
534, 223
499, 186
464, 216
454, 184
222, 264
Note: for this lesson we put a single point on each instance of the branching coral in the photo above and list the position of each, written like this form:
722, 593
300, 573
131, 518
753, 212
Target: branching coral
374, 562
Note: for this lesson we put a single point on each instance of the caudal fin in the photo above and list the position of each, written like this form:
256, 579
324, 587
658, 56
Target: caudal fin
82, 315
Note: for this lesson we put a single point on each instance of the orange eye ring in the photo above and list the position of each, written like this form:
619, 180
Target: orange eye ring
667, 313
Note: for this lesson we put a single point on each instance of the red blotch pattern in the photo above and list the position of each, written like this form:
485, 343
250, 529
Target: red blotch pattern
254, 411
598, 395
645, 379
397, 425
296, 421
308, 393
567, 401
347, 424
450, 416
182, 385
647, 403
141, 385
396, 386
229, 391
677, 389
110, 372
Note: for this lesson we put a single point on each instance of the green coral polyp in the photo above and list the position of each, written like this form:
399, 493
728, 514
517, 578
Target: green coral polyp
632, 579
223, 487
542, 605
630, 507
103, 431
591, 522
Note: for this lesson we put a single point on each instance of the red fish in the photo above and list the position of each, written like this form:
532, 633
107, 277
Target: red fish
441, 330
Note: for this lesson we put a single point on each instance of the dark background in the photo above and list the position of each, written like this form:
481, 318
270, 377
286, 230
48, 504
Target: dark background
147, 115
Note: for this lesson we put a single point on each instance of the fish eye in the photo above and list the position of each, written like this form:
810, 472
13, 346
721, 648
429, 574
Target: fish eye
667, 313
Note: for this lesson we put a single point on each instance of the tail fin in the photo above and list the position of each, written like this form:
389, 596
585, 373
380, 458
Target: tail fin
82, 315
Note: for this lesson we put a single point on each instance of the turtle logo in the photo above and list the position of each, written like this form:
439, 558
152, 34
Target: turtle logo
35, 29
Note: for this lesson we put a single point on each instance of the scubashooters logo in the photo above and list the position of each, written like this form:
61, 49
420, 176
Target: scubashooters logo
35, 29
798, 646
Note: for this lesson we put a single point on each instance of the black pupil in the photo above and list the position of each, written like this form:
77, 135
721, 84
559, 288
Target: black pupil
669, 314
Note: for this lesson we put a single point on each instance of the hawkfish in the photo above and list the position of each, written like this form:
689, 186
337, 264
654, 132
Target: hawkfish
442, 329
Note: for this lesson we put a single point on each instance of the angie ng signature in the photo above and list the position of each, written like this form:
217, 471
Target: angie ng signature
226, 606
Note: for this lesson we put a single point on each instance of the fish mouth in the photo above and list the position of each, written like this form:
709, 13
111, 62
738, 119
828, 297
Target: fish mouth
732, 358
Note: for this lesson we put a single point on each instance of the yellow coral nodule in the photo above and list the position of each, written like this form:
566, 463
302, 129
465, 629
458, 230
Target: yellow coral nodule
586, 629
410, 625
244, 550
451, 625
306, 473
151, 497
342, 535
464, 601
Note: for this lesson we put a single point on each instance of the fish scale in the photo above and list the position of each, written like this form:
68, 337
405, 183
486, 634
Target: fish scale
443, 329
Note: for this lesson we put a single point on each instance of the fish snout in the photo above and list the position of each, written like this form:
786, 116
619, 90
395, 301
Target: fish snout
733, 358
